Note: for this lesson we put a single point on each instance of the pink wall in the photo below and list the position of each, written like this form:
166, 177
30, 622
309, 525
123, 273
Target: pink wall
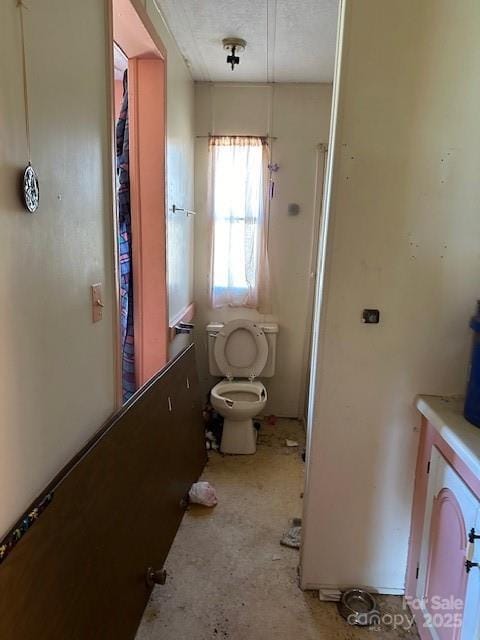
147, 151
147, 81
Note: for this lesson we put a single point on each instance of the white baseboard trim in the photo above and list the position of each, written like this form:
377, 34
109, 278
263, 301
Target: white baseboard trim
330, 589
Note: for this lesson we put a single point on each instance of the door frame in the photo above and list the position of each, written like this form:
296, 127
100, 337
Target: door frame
318, 313
321, 159
131, 28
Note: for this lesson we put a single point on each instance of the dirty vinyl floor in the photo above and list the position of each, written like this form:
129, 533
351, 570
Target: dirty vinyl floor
228, 576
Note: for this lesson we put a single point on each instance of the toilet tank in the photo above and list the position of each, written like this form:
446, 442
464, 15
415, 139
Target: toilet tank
270, 330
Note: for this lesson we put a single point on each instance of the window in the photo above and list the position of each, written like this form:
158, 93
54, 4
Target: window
239, 267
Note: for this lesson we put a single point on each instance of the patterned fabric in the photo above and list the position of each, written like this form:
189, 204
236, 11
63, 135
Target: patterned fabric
125, 251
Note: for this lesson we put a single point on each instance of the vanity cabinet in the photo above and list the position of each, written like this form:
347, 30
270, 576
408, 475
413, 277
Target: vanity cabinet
443, 579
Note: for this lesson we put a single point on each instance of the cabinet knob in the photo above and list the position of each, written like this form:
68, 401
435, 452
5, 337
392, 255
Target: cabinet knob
469, 565
472, 536
155, 576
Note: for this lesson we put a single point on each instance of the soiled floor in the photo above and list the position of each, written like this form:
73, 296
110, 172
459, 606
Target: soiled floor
228, 576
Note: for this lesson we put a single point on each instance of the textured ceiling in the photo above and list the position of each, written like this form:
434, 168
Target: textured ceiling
287, 40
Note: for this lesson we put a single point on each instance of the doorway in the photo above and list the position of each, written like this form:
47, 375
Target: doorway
140, 221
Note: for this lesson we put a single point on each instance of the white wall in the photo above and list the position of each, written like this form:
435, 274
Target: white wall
180, 155
404, 238
298, 116
56, 367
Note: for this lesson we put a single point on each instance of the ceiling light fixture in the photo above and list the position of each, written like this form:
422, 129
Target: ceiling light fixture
233, 46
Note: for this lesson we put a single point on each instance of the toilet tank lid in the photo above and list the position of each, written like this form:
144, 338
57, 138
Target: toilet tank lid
268, 327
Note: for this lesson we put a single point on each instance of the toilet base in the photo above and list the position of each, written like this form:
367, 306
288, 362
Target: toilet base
239, 437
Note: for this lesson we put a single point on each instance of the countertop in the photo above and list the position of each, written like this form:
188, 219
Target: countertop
445, 414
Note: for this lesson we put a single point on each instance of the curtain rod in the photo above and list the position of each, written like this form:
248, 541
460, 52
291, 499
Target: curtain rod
236, 135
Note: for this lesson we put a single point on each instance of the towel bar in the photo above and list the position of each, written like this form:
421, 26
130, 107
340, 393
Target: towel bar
189, 212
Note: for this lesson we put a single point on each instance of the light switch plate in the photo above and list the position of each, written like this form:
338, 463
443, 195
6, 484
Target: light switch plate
97, 302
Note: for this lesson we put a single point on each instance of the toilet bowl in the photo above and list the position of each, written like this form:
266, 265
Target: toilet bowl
238, 402
240, 351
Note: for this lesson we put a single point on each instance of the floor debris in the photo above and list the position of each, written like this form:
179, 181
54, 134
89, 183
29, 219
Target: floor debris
329, 595
213, 426
220, 564
203, 493
291, 443
293, 537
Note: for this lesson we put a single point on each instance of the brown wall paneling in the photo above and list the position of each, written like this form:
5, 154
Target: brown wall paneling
79, 573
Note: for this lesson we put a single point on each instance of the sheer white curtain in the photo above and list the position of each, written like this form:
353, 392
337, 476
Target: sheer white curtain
238, 202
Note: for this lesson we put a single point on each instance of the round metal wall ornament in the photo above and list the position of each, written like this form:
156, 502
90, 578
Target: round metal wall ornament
31, 189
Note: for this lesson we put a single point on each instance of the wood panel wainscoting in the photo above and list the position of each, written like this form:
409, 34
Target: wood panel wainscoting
80, 571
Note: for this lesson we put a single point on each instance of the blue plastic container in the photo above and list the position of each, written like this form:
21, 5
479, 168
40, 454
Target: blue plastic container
472, 400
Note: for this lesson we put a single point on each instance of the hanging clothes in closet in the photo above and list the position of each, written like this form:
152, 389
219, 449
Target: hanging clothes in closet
127, 344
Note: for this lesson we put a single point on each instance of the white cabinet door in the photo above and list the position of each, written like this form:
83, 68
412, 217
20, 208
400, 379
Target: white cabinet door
449, 596
471, 617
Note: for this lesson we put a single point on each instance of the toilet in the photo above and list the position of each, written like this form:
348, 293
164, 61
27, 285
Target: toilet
241, 351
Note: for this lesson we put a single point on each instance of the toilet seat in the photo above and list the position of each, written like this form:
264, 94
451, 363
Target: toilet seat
222, 392
225, 362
